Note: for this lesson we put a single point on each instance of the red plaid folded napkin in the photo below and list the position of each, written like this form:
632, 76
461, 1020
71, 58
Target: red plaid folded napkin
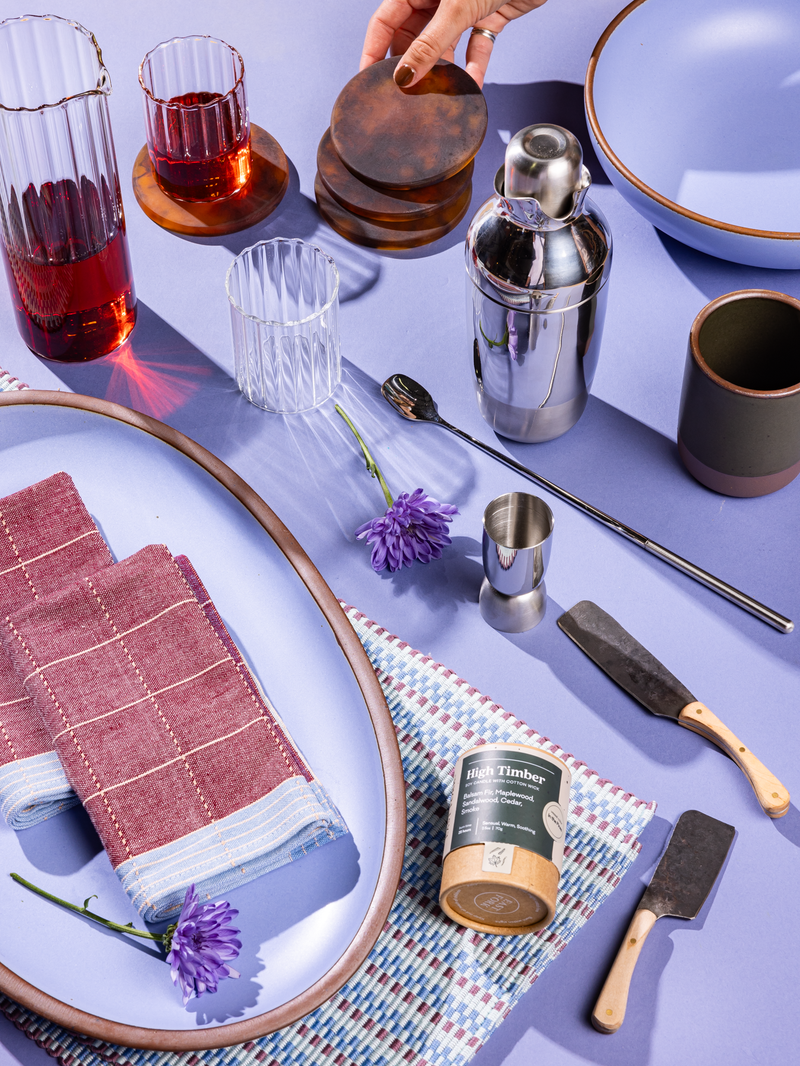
47, 540
152, 709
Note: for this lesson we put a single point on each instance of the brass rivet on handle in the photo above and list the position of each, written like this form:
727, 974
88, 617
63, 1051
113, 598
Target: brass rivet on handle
632, 940
699, 711
774, 795
741, 749
609, 1012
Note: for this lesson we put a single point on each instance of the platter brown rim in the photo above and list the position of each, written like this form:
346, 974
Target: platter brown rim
359, 948
591, 113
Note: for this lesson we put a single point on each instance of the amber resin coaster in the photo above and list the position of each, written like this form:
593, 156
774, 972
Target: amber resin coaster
269, 180
408, 138
390, 236
385, 205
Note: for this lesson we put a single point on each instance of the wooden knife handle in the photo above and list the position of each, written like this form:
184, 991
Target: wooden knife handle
770, 793
609, 1011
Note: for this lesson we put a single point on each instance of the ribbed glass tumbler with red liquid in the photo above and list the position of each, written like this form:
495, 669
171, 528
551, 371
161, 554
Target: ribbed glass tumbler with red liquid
196, 118
64, 245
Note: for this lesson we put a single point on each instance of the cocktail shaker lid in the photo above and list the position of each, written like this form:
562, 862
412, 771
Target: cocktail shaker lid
539, 237
545, 163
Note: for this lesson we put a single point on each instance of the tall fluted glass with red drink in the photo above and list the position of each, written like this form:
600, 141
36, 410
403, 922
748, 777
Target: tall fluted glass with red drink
64, 246
196, 118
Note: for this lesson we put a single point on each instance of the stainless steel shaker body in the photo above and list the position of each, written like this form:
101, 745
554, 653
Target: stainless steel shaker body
537, 288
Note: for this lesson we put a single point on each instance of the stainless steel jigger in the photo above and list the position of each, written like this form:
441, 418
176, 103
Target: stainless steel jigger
517, 534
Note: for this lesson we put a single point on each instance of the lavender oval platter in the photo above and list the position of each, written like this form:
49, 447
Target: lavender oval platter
307, 927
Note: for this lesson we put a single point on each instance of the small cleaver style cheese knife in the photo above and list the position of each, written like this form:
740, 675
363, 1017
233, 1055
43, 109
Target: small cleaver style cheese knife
683, 879
642, 676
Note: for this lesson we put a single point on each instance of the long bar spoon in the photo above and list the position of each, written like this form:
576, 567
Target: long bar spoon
415, 403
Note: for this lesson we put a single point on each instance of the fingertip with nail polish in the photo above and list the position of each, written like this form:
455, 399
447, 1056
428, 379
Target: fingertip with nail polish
404, 75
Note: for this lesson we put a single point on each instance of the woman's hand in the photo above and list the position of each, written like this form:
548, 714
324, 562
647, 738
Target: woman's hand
423, 31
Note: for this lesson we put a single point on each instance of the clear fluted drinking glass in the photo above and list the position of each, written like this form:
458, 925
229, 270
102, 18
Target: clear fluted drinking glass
64, 244
196, 118
284, 298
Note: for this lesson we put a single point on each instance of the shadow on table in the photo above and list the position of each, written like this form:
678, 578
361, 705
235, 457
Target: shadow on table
61, 845
297, 216
613, 462
512, 108
17, 1048
291, 460
324, 456
456, 579
658, 738
714, 277
163, 374
295, 891
789, 825
560, 1003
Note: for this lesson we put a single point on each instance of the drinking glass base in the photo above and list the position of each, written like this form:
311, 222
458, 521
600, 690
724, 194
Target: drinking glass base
269, 180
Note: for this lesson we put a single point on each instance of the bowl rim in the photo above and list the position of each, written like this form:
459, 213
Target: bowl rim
594, 123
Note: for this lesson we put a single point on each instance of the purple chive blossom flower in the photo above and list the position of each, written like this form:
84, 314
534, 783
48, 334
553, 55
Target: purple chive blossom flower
413, 528
200, 945
513, 337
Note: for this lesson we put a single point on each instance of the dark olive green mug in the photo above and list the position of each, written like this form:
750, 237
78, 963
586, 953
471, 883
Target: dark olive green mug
739, 422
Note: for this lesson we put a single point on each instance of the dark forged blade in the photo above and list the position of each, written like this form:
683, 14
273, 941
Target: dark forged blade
624, 659
689, 867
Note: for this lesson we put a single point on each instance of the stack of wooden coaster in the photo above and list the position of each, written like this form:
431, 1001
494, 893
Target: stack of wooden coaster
395, 168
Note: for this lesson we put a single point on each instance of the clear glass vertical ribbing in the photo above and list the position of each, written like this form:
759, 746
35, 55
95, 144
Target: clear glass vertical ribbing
196, 118
63, 227
284, 297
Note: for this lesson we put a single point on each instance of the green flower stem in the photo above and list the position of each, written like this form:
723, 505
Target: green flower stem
372, 466
88, 914
494, 344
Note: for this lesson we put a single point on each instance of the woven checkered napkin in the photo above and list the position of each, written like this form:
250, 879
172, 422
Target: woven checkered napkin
151, 708
47, 540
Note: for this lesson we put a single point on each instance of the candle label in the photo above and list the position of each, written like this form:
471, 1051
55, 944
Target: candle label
497, 858
509, 797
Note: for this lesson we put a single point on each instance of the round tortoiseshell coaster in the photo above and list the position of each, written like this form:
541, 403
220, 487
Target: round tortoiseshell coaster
385, 205
390, 236
408, 138
269, 180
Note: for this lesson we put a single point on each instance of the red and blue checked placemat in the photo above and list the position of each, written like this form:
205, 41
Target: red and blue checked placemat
431, 992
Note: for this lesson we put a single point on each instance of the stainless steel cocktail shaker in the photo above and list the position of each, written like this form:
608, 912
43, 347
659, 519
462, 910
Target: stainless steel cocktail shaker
538, 260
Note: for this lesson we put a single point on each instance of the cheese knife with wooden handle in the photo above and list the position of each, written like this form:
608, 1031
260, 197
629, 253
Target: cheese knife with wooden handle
642, 676
683, 879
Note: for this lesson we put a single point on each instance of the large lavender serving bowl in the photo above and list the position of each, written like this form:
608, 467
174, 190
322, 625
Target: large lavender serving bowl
694, 112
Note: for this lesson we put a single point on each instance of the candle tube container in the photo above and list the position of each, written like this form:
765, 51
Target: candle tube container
505, 839
64, 244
